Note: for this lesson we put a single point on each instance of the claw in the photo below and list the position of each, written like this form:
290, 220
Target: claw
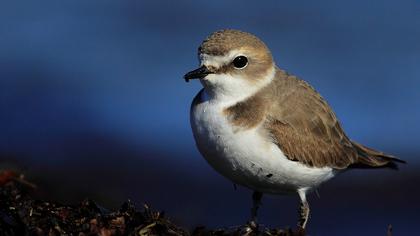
250, 228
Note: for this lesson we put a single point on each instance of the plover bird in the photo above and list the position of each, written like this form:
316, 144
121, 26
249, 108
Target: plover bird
265, 129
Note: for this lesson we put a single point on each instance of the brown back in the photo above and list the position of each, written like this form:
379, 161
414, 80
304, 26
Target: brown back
299, 121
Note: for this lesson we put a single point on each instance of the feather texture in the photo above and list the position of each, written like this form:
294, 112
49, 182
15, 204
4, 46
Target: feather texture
303, 125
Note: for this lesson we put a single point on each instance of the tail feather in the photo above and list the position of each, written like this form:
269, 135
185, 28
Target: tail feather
370, 158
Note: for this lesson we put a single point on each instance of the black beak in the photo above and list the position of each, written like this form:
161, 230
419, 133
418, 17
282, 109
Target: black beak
197, 74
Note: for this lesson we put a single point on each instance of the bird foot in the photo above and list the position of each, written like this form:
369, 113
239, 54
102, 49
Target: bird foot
303, 216
300, 231
250, 228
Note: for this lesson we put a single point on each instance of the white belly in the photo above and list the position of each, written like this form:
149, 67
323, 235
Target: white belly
245, 156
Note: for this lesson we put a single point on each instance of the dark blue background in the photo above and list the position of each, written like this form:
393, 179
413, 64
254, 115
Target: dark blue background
93, 103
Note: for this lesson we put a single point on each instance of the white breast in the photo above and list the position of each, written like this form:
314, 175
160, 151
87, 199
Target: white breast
245, 156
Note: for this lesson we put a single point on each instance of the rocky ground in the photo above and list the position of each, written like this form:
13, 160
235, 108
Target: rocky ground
23, 214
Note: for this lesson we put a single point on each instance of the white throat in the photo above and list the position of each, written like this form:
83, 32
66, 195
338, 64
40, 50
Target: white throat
232, 89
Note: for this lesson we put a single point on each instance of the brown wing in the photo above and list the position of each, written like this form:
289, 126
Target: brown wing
304, 127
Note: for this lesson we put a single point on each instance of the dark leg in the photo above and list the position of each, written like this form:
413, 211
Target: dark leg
304, 210
256, 202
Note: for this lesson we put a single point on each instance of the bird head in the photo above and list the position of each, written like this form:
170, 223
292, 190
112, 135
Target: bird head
233, 62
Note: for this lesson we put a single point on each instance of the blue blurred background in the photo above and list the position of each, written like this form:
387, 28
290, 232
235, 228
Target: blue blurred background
92, 103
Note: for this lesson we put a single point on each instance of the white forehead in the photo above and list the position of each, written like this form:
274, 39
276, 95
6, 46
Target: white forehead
218, 61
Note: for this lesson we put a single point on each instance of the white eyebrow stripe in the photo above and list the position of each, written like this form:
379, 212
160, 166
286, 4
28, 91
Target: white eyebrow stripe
218, 61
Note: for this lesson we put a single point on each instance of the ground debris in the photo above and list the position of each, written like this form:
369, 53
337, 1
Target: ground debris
22, 214
245, 230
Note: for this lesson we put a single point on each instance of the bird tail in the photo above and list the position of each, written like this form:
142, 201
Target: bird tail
369, 158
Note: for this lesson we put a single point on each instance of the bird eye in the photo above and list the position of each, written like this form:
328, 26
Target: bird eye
240, 62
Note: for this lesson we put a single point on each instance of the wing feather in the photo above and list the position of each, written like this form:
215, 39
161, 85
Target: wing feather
304, 127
